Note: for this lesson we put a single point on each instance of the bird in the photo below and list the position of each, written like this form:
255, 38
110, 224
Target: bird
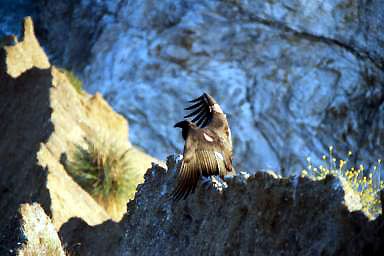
208, 145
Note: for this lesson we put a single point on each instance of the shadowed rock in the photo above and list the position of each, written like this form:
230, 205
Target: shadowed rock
256, 215
43, 117
82, 239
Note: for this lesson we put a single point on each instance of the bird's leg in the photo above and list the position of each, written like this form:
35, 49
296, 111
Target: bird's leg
174, 162
206, 182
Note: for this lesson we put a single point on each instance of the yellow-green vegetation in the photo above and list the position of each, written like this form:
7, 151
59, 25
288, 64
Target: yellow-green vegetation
73, 79
104, 170
366, 182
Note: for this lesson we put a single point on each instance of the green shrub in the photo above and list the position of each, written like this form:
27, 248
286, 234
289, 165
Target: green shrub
103, 169
364, 182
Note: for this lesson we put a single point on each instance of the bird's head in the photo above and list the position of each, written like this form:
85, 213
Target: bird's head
184, 125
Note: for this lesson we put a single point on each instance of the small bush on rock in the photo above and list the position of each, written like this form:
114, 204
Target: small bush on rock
366, 183
103, 170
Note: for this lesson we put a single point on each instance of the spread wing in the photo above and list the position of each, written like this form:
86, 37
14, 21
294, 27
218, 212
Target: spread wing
201, 111
201, 157
206, 112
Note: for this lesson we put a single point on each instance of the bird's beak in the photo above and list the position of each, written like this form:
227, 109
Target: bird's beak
179, 124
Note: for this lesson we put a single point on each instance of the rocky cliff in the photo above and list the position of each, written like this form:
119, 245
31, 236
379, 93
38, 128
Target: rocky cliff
294, 77
257, 214
43, 117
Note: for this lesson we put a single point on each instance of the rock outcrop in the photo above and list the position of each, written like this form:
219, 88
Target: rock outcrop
292, 87
37, 234
294, 77
31, 232
42, 118
256, 215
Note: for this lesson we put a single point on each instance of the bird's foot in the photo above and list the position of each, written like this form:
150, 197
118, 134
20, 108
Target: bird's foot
215, 183
174, 162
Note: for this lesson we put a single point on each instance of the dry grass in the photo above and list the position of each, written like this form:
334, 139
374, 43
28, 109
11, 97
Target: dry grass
73, 79
365, 182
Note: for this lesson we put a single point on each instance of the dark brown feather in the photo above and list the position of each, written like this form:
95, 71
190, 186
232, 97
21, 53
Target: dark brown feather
196, 112
204, 115
196, 105
208, 145
197, 99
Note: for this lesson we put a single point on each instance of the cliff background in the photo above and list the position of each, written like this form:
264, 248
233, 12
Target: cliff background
294, 76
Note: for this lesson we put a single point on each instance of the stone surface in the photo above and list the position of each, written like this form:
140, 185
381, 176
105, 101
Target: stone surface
256, 215
26, 54
30, 232
42, 118
12, 12
70, 28
33, 139
40, 235
294, 77
85, 240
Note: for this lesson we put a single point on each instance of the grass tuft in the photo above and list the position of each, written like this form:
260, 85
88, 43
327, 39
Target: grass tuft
73, 79
365, 182
104, 170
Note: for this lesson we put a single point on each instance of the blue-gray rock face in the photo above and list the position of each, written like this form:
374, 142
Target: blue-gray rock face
293, 76
12, 13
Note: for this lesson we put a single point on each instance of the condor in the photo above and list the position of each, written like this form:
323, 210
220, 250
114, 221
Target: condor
207, 148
